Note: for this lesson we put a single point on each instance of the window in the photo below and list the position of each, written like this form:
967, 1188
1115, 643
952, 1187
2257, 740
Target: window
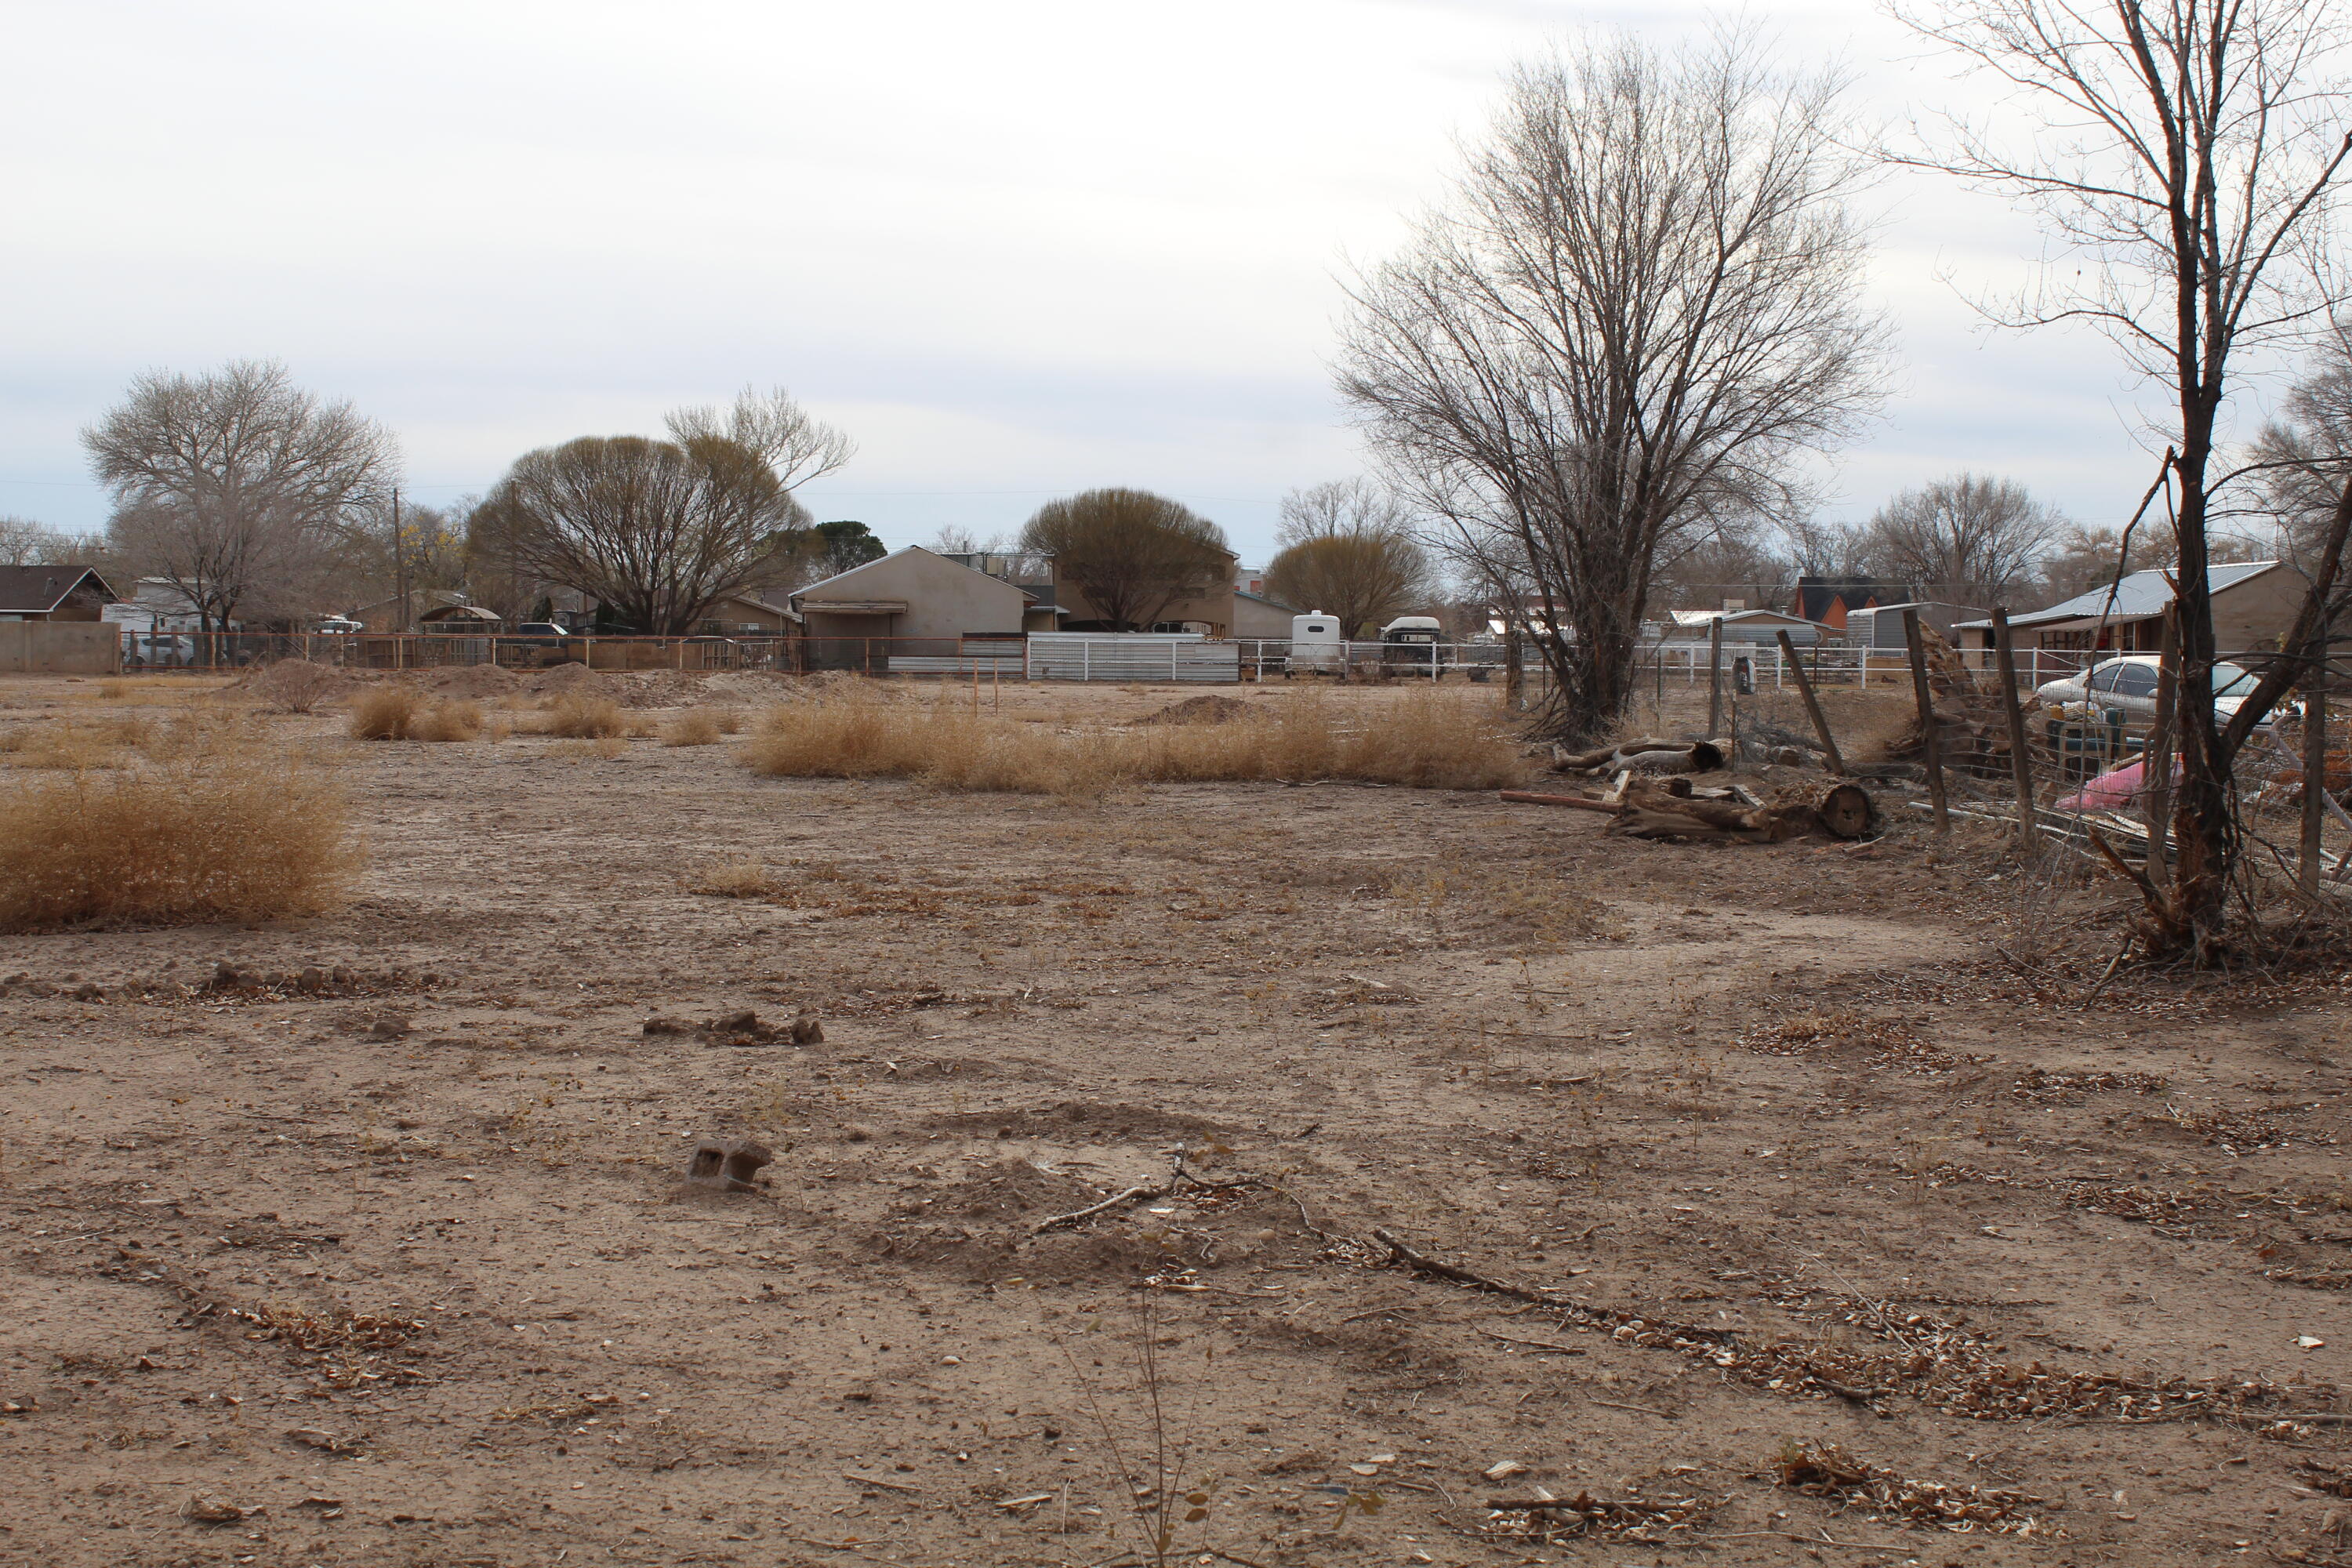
2104, 678
2135, 680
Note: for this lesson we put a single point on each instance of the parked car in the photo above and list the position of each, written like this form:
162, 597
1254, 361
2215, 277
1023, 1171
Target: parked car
2129, 683
163, 651
538, 644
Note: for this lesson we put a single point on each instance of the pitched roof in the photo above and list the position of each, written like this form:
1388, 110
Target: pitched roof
1814, 594
37, 590
2136, 596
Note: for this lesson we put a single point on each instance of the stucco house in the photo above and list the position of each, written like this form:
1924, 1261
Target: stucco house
2254, 605
912, 593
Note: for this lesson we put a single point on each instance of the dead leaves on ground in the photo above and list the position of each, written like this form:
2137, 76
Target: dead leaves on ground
1827, 1471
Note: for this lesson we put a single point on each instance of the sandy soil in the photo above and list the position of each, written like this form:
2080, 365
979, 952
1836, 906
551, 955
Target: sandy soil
401, 1269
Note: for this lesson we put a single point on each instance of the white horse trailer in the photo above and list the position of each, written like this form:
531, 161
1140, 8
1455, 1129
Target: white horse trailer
1316, 645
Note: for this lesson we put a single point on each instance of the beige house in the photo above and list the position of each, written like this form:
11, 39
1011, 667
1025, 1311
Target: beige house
912, 593
2254, 605
744, 614
1257, 618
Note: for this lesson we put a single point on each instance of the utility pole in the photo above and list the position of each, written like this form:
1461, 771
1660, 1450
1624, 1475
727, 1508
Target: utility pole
399, 565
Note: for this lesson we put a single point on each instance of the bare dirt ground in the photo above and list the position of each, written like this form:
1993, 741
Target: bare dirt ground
1778, 1148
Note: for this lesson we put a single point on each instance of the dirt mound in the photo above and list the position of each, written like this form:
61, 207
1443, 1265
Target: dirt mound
568, 678
471, 682
1209, 709
657, 688
1006, 1190
752, 684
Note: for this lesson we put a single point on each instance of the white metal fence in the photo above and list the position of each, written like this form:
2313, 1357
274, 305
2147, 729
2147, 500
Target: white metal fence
1139, 657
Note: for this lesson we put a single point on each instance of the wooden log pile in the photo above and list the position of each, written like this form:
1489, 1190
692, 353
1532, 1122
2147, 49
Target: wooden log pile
1672, 807
1644, 757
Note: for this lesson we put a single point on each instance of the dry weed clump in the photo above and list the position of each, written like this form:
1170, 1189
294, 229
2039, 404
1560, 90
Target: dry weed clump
216, 830
575, 717
729, 720
1426, 740
736, 880
694, 727
295, 686
384, 713
456, 720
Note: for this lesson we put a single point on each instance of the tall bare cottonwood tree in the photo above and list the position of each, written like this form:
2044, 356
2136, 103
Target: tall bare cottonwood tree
659, 531
237, 485
1348, 552
1132, 553
2184, 154
1637, 316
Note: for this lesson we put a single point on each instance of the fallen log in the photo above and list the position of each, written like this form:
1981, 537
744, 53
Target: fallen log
1581, 802
1670, 809
1644, 757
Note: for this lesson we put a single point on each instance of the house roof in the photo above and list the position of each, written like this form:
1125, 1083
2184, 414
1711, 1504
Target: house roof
1814, 594
1701, 617
2136, 596
37, 590
1262, 599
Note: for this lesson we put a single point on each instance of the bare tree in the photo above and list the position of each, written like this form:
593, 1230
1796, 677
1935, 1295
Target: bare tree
1822, 549
2300, 458
1970, 539
772, 426
657, 531
2183, 154
232, 486
1130, 553
1349, 552
1637, 316
2083, 557
24, 542
1721, 566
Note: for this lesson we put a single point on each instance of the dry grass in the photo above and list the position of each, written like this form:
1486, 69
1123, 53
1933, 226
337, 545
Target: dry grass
74, 746
736, 880
456, 720
578, 718
384, 713
217, 828
728, 719
1424, 739
694, 727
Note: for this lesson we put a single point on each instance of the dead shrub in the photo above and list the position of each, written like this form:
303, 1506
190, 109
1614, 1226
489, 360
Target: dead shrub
736, 880
218, 832
386, 713
451, 721
578, 718
728, 719
294, 686
693, 727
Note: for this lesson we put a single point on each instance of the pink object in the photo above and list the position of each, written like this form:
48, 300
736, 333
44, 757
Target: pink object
2111, 791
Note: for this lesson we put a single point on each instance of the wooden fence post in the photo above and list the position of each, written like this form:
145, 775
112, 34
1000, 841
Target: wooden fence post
2020, 755
1812, 703
1714, 677
2156, 757
2314, 763
1514, 671
1931, 750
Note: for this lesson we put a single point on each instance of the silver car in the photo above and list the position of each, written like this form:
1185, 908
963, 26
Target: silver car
2129, 683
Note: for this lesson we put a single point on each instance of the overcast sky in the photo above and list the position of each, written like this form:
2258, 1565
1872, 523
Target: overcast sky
1016, 250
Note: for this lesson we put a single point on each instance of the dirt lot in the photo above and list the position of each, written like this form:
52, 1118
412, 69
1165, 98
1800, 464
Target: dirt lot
1778, 1148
